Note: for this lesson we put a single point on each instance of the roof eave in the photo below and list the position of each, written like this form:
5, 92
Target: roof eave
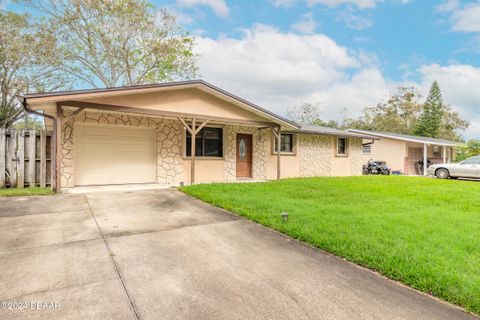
61, 96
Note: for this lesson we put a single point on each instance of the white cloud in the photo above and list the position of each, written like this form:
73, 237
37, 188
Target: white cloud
459, 84
218, 6
464, 18
307, 25
362, 4
353, 20
283, 3
279, 70
467, 19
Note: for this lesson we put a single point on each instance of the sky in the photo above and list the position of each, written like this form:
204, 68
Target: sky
343, 55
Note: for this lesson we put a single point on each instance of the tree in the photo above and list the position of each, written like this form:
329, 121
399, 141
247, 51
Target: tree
27, 62
29, 122
118, 42
305, 113
470, 149
398, 114
430, 121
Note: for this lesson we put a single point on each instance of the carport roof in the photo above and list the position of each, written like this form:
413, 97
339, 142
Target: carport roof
406, 137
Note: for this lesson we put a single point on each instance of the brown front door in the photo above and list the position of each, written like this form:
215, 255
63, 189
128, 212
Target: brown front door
244, 155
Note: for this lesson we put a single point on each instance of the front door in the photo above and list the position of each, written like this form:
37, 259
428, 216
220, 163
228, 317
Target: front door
244, 155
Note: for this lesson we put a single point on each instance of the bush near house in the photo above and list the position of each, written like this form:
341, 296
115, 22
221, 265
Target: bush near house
423, 232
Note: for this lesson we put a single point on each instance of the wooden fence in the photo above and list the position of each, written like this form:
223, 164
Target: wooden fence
25, 158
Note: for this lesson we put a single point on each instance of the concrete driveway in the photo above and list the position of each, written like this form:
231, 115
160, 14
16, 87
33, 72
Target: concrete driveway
161, 255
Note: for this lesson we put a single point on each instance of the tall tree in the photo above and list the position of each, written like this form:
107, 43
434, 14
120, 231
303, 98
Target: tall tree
305, 113
106, 43
398, 114
27, 62
430, 121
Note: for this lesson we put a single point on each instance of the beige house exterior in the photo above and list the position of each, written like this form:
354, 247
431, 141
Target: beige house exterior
143, 134
402, 152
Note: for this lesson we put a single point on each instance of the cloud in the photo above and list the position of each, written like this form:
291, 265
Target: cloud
362, 4
459, 84
218, 6
279, 70
307, 25
283, 3
353, 20
464, 18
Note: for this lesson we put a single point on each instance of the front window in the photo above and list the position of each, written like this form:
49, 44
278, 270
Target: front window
436, 152
208, 143
286, 143
341, 146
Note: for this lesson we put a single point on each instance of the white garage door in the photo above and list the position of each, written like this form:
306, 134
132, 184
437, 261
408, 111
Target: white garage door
113, 155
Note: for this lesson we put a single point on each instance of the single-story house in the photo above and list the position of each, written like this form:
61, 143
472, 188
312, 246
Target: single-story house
182, 133
402, 152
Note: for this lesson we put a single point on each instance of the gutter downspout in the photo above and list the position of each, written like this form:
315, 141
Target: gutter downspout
53, 156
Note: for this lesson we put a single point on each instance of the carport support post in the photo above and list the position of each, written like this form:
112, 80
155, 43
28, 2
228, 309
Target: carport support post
279, 142
424, 159
57, 177
193, 130
192, 161
444, 152
277, 133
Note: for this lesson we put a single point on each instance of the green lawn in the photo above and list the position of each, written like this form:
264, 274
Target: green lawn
14, 192
423, 232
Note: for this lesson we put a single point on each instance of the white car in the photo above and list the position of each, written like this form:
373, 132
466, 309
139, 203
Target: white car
468, 168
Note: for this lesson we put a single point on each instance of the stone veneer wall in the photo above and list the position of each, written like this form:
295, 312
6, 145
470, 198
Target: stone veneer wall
169, 143
259, 148
356, 156
315, 154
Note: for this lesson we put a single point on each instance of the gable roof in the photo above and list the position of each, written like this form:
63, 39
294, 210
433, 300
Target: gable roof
54, 97
310, 128
406, 137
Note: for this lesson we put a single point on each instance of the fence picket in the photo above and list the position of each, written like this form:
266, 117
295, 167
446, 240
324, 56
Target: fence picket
31, 151
17, 147
21, 159
3, 150
43, 158
12, 158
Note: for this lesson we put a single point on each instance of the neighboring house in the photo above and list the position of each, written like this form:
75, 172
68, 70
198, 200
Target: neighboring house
402, 152
143, 134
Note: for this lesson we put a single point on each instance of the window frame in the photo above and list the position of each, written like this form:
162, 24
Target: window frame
294, 144
337, 154
369, 147
184, 151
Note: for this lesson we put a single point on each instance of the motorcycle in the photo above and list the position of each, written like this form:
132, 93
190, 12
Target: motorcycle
376, 167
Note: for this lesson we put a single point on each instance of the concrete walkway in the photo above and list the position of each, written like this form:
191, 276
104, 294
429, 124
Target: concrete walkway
160, 255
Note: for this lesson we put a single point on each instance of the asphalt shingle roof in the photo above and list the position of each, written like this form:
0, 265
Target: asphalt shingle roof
310, 128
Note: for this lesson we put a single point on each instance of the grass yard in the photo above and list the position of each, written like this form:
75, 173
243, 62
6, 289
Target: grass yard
14, 192
422, 232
